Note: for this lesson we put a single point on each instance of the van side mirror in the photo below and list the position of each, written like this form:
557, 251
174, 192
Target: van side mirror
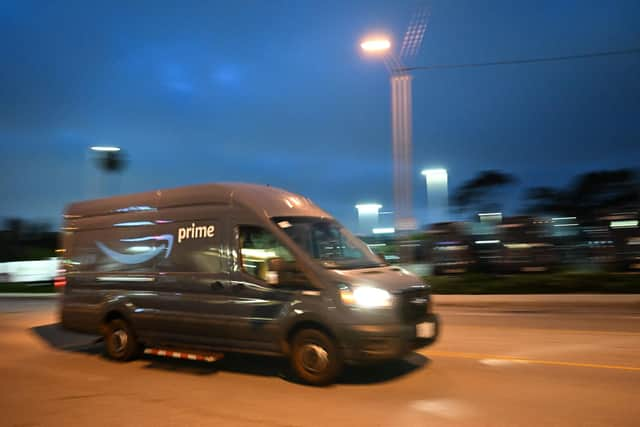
281, 272
274, 267
275, 264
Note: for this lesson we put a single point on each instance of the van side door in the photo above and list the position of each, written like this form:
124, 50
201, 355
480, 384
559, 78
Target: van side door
258, 306
198, 271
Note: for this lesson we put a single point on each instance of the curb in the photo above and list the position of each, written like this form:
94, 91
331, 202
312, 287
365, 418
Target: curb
538, 298
542, 302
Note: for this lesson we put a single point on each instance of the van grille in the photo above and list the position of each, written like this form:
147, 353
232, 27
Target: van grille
414, 304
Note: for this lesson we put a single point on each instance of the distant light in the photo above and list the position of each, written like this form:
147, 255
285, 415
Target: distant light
384, 230
487, 242
624, 224
368, 208
435, 174
525, 245
490, 217
375, 45
573, 224
107, 148
564, 218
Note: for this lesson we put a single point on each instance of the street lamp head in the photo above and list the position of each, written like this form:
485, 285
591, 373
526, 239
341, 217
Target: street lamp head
376, 45
105, 148
435, 174
368, 208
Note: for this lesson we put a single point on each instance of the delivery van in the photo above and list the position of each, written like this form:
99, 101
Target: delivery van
214, 268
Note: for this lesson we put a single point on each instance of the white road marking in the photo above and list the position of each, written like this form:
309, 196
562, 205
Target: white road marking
443, 408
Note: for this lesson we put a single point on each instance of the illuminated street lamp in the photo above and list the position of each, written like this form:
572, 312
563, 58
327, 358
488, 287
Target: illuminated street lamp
376, 45
105, 148
401, 114
109, 159
437, 194
400, 131
367, 217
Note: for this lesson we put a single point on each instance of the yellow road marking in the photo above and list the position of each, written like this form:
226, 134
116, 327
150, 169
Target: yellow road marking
478, 356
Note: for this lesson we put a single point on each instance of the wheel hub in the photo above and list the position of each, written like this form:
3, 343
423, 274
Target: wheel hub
314, 358
119, 340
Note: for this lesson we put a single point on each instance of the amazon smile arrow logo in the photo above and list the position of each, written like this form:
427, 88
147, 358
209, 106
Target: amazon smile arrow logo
151, 253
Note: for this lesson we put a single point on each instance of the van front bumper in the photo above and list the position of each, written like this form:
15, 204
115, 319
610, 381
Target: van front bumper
371, 343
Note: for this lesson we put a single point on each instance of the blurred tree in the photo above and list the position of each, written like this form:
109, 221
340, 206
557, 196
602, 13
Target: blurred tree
589, 195
15, 225
26, 240
483, 192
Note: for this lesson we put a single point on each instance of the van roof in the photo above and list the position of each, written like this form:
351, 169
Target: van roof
262, 199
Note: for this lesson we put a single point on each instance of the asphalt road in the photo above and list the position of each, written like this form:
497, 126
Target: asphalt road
492, 367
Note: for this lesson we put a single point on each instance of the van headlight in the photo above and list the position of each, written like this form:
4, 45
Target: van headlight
366, 297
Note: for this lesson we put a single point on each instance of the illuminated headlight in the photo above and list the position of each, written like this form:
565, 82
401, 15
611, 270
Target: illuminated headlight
366, 297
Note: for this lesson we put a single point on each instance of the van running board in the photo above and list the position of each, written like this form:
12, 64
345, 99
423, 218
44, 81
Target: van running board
190, 355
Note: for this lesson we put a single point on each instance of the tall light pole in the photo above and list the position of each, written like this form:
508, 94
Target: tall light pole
401, 133
401, 113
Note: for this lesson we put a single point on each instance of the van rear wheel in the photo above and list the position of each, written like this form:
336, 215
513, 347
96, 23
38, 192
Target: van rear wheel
315, 357
120, 341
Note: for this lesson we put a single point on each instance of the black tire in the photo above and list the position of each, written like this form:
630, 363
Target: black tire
120, 341
315, 357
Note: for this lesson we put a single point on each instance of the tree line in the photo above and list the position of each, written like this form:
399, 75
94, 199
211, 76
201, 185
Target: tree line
587, 196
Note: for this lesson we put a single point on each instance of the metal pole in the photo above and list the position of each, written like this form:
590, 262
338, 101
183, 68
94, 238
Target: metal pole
401, 124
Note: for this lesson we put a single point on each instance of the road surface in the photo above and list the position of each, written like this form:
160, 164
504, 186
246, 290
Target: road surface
492, 367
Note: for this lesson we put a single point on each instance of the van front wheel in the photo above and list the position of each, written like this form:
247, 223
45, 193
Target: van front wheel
120, 340
315, 357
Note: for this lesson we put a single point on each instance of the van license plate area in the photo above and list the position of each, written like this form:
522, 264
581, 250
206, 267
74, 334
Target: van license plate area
425, 329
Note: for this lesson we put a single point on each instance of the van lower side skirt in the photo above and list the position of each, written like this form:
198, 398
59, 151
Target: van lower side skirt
204, 357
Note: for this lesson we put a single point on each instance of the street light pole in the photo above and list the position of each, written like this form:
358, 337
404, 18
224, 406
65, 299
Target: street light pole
401, 112
401, 133
401, 136
109, 159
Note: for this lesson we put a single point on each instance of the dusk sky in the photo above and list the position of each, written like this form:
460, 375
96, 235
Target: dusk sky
277, 92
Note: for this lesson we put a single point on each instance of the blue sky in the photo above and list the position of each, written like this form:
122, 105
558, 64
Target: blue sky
277, 92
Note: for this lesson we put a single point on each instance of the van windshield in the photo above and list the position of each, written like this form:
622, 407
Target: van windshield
329, 242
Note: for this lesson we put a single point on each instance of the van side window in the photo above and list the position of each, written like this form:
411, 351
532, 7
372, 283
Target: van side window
257, 247
196, 248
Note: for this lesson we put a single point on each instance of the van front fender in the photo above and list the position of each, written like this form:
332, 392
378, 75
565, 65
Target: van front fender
299, 319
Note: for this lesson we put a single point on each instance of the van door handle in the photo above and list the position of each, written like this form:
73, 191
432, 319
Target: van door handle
217, 286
